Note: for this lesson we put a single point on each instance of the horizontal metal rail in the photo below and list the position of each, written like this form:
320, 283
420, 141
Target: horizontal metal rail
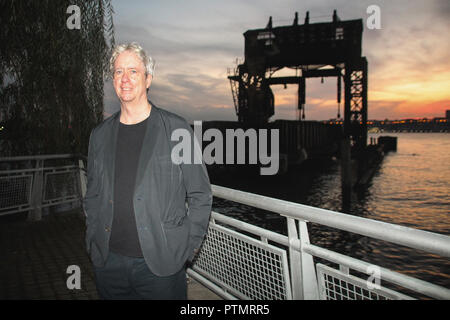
42, 157
413, 238
241, 225
70, 168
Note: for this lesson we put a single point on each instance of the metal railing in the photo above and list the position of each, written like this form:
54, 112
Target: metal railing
32, 183
300, 276
239, 260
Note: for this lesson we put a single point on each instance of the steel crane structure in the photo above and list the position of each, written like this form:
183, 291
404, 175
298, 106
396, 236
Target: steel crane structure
326, 49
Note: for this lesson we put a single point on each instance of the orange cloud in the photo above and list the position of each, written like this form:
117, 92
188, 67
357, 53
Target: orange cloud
423, 109
427, 87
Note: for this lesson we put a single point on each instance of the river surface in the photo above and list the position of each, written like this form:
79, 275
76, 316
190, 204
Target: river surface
411, 188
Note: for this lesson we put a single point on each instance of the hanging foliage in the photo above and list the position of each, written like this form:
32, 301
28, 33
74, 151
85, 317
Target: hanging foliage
51, 84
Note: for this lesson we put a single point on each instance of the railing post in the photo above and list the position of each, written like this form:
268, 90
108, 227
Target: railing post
35, 213
83, 181
303, 273
310, 288
295, 262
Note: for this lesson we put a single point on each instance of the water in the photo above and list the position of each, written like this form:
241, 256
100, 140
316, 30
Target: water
411, 188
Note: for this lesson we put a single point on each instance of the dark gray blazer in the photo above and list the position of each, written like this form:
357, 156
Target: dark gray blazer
172, 203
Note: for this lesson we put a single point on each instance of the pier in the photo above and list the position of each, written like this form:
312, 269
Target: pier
237, 260
297, 142
309, 50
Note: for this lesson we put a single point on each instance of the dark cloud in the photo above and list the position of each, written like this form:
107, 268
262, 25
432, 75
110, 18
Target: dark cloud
442, 9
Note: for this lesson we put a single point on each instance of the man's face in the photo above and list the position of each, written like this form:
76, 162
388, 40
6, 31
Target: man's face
130, 81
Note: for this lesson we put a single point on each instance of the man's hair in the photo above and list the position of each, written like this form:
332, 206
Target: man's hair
148, 61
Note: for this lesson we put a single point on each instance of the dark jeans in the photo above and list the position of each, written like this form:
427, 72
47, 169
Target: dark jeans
125, 277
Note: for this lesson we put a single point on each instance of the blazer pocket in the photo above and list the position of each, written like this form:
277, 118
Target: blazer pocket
174, 222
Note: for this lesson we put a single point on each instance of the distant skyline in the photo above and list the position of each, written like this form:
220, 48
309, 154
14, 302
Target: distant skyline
194, 42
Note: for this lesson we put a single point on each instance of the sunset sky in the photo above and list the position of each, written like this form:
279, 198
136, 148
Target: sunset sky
195, 41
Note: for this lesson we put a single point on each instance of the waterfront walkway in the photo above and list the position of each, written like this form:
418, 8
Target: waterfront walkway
35, 257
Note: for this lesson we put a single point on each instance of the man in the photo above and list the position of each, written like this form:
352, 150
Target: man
146, 216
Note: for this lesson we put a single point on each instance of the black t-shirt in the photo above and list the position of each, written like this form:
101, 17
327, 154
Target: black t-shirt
124, 237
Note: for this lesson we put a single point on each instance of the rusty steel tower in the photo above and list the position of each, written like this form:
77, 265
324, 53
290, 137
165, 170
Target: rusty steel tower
327, 49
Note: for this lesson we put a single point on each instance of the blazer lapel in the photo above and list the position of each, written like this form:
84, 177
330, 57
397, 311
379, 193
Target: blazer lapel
148, 145
110, 153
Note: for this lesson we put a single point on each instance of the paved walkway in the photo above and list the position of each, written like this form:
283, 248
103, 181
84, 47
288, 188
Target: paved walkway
34, 257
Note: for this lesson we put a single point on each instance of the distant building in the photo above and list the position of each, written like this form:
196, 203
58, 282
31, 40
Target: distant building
447, 114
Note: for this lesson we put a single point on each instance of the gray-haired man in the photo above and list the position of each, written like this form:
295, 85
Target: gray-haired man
145, 215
